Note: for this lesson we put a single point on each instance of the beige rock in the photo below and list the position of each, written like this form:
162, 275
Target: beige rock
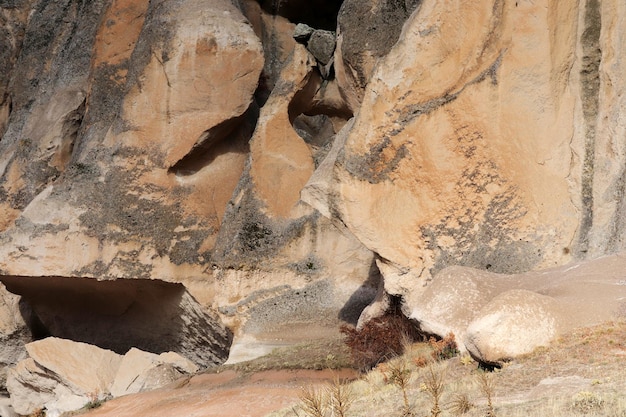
474, 155
143, 371
512, 324
61, 375
496, 317
14, 332
10, 317
181, 132
281, 162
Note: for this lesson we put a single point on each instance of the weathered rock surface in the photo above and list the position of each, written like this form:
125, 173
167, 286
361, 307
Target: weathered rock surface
14, 332
143, 371
366, 31
277, 260
179, 91
178, 141
481, 154
61, 375
497, 317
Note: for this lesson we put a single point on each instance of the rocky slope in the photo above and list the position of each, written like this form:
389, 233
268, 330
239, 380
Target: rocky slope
173, 174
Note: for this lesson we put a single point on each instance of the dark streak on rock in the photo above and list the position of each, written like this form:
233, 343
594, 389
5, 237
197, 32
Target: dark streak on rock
589, 91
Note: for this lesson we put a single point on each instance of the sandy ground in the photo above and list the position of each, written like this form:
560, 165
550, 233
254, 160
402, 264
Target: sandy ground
221, 395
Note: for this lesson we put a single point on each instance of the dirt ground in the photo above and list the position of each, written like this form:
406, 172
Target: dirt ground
229, 393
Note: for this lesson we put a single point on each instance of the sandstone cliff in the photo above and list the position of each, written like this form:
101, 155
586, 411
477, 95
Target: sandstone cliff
192, 165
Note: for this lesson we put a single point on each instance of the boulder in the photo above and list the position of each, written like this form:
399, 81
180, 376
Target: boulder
143, 371
322, 45
61, 375
302, 32
497, 317
512, 324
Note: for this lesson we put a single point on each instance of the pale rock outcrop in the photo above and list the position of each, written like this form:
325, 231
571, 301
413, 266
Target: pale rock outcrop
497, 317
143, 371
169, 110
120, 156
61, 376
475, 143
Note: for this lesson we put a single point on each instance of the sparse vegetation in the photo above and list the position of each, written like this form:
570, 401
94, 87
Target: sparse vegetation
332, 399
587, 402
445, 348
460, 404
487, 387
433, 385
399, 374
457, 386
380, 339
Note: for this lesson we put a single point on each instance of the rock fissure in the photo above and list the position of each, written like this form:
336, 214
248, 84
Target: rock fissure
589, 92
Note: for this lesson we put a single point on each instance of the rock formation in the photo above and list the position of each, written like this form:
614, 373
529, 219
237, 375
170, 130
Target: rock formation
61, 375
181, 173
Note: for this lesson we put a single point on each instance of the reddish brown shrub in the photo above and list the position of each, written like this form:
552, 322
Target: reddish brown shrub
379, 340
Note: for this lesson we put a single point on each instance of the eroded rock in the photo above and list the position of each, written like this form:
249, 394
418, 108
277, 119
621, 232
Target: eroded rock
154, 101
497, 317
143, 371
61, 375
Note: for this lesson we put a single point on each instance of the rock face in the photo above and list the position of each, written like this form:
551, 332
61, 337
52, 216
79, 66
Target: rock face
189, 162
483, 157
142, 371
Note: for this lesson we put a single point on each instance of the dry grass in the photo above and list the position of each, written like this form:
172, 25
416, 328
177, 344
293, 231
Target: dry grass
582, 374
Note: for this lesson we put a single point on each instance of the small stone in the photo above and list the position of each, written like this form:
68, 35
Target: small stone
322, 45
302, 32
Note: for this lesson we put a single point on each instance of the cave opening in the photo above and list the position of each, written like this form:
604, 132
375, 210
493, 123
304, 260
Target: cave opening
151, 315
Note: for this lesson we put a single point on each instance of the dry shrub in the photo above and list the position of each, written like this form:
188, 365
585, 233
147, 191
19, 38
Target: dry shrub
420, 361
587, 402
398, 374
313, 402
379, 340
460, 404
445, 348
433, 385
333, 399
488, 388
340, 397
